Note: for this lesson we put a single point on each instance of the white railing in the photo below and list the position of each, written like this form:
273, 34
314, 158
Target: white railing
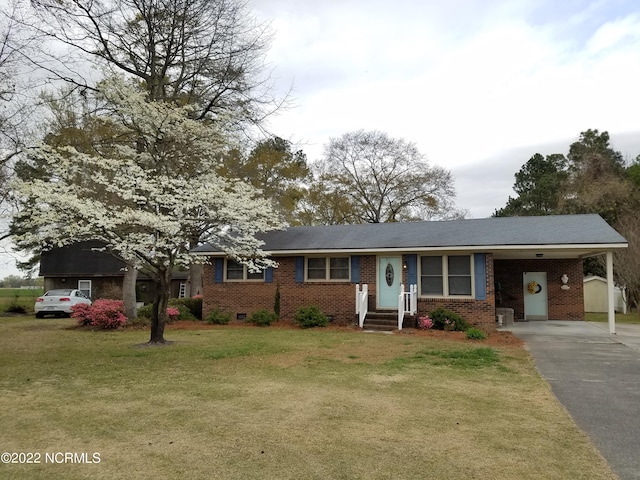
362, 301
407, 303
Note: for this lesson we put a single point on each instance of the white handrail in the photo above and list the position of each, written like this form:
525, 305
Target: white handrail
401, 307
362, 301
407, 303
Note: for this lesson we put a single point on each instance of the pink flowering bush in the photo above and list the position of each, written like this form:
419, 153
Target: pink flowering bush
172, 314
105, 314
82, 312
425, 322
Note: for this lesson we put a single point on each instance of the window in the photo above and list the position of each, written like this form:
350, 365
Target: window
85, 287
446, 276
239, 272
328, 268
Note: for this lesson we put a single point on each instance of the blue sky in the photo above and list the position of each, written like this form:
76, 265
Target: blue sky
479, 86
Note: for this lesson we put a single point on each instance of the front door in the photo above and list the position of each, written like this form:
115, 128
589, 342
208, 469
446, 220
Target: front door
389, 279
535, 296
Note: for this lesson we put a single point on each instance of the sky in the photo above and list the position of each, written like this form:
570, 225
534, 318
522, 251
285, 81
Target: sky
478, 85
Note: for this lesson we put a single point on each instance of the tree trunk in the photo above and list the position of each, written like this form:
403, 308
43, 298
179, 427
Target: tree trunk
194, 285
129, 291
159, 312
195, 279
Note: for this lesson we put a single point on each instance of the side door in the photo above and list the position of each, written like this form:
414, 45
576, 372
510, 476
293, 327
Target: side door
535, 296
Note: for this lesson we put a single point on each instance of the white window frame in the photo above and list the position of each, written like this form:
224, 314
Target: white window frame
445, 275
84, 289
327, 269
245, 273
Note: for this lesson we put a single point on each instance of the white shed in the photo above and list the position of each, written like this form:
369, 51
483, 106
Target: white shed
595, 296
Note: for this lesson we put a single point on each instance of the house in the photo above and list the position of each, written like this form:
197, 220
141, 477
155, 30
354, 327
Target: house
99, 274
595, 295
532, 265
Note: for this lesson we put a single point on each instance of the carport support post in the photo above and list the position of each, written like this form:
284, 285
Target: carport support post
611, 310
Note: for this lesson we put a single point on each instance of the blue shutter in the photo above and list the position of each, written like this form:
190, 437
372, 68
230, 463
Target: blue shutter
481, 276
412, 269
355, 269
268, 275
299, 269
219, 270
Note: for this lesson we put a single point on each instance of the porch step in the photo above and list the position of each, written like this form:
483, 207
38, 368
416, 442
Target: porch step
381, 321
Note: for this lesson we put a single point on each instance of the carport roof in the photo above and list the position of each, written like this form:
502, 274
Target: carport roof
585, 234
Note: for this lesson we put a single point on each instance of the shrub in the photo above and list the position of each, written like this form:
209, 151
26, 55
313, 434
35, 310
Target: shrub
194, 304
103, 313
175, 312
172, 314
425, 322
276, 302
82, 313
139, 322
476, 334
184, 313
262, 318
219, 317
309, 317
447, 320
15, 308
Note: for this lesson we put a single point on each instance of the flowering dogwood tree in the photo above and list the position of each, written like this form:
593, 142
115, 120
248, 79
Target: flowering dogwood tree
146, 194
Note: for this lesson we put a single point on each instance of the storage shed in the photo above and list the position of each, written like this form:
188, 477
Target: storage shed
595, 296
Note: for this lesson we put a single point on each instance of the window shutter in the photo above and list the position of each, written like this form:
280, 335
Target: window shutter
412, 269
219, 270
480, 276
355, 269
268, 275
299, 269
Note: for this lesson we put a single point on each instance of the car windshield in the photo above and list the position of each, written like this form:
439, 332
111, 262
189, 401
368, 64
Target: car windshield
57, 293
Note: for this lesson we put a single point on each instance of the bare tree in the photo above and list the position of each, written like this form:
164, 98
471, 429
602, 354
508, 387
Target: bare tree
202, 52
627, 261
385, 179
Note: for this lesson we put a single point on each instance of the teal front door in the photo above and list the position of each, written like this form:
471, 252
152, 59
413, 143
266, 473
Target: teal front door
535, 296
389, 279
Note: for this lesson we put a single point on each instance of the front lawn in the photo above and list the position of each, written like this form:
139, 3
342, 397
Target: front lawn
274, 403
629, 317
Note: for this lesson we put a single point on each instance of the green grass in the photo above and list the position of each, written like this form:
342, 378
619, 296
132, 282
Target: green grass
265, 403
24, 297
629, 317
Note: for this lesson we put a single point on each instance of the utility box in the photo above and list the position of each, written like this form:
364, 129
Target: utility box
507, 316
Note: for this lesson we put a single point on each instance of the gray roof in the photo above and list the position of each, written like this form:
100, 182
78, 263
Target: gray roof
556, 230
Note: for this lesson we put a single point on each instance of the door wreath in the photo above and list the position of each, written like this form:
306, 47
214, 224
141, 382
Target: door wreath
534, 287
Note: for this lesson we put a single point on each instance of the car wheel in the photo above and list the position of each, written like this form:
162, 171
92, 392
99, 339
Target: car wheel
39, 315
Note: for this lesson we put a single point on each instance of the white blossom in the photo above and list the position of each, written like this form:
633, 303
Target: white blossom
146, 200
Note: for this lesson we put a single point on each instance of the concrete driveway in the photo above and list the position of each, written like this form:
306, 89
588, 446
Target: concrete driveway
596, 376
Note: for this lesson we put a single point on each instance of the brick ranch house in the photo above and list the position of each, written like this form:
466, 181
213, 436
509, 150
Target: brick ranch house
532, 265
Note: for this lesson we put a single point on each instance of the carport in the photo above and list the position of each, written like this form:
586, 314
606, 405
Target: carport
543, 278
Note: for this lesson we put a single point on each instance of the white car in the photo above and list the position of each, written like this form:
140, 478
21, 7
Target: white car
58, 302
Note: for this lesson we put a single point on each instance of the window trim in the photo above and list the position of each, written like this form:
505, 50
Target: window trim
327, 269
82, 289
245, 274
445, 276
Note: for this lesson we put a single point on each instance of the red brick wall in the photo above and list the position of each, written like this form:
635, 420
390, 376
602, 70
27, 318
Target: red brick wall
336, 299
479, 313
563, 304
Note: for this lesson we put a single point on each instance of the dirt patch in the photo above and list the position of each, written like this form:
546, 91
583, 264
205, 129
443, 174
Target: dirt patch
494, 338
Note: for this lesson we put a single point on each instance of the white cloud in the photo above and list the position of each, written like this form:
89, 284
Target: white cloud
469, 82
